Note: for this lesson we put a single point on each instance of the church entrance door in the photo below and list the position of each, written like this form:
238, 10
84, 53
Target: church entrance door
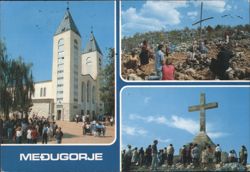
59, 114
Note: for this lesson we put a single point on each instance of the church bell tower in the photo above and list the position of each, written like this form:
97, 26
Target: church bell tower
66, 68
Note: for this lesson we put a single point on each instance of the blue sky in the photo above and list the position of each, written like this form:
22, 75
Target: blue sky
143, 16
27, 28
162, 113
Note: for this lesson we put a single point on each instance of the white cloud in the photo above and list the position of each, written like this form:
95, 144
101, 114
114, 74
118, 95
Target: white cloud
185, 124
163, 140
212, 133
228, 7
154, 15
174, 121
217, 6
146, 100
133, 131
188, 125
192, 14
162, 10
158, 15
132, 22
215, 135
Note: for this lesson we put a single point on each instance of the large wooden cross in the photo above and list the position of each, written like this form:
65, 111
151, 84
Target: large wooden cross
201, 20
202, 107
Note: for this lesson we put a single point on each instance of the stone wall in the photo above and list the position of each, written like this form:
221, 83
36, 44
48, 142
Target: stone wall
42, 109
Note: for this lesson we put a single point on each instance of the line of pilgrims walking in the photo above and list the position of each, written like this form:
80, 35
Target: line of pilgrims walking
191, 154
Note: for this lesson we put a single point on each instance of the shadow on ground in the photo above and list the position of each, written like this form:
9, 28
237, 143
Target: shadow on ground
67, 135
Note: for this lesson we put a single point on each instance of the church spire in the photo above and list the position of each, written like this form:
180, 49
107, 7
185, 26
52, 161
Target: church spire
92, 44
67, 5
91, 29
67, 24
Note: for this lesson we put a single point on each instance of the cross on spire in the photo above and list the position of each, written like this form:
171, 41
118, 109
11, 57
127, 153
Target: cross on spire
68, 5
202, 107
91, 29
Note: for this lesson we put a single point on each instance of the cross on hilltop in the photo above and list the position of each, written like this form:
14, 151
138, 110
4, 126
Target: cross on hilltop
202, 107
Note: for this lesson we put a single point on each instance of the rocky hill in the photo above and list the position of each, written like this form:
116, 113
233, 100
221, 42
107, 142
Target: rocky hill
196, 67
235, 166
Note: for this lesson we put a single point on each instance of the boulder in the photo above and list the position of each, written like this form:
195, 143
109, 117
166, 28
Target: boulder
134, 77
247, 74
190, 71
239, 73
224, 157
130, 71
235, 166
217, 166
248, 167
205, 169
239, 54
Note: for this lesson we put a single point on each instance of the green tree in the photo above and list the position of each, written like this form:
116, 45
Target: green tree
23, 84
107, 82
17, 86
218, 27
5, 73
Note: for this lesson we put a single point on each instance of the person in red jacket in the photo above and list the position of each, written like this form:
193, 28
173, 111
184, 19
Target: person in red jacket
34, 135
168, 70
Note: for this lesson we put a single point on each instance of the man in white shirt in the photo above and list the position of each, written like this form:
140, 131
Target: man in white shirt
83, 118
77, 118
170, 154
218, 153
29, 138
159, 61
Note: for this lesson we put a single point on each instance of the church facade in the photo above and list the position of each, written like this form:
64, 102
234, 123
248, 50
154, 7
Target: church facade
74, 88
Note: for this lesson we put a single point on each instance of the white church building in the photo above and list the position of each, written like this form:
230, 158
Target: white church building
74, 88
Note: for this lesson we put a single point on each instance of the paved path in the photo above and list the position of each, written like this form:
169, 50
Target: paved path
73, 134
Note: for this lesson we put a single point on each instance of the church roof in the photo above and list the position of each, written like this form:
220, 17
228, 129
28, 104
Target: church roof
92, 45
67, 24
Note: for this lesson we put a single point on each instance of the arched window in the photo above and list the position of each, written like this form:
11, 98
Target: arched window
88, 91
60, 45
83, 92
88, 61
93, 94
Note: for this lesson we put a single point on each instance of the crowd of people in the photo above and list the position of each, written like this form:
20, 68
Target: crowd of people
96, 126
29, 130
194, 154
43, 130
164, 68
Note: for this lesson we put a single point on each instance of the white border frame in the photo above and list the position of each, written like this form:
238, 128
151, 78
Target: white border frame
164, 86
115, 115
161, 81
